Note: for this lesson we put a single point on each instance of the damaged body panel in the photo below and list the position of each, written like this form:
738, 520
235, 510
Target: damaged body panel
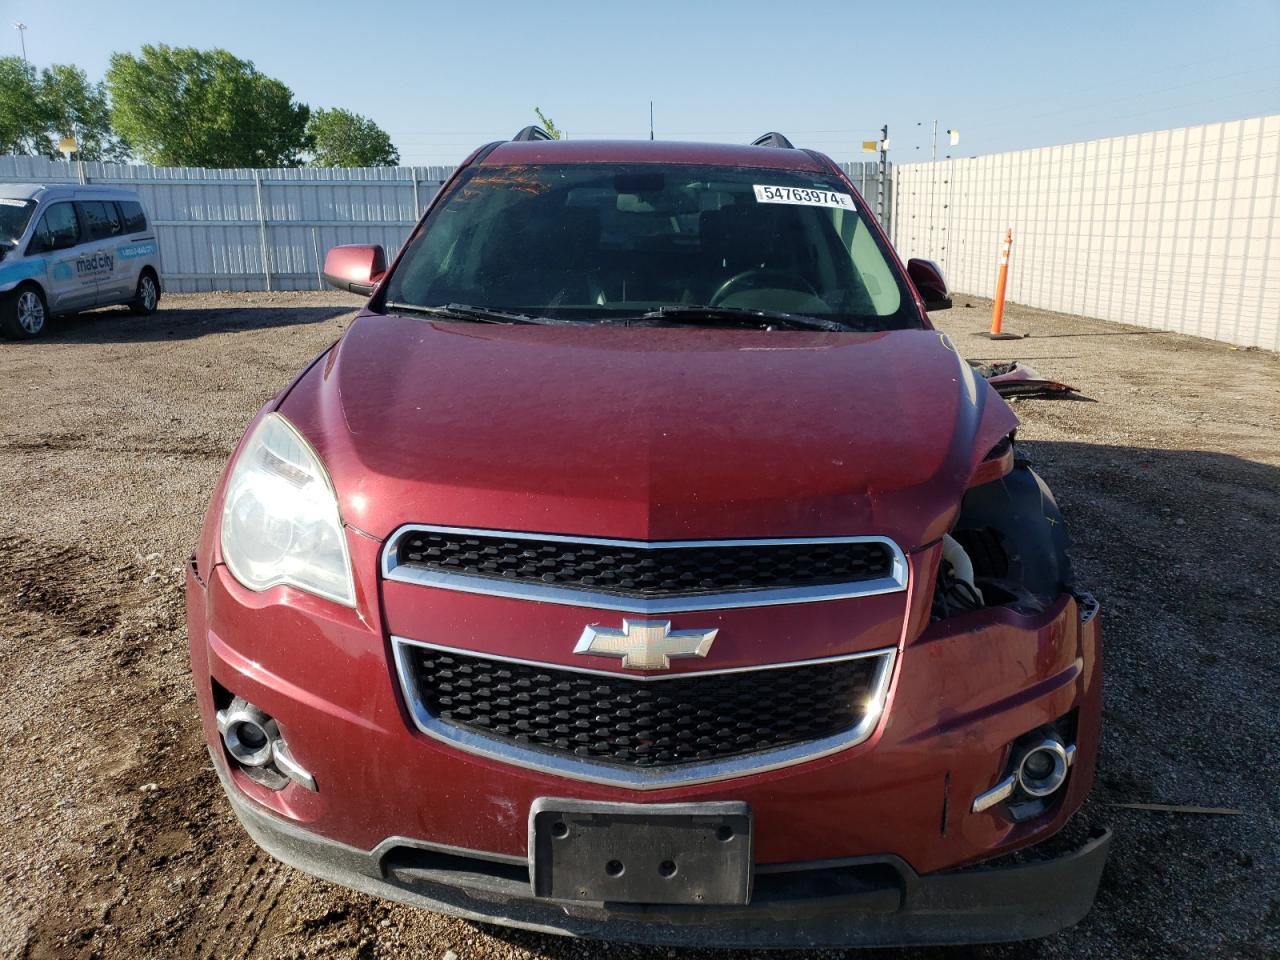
1017, 379
1015, 540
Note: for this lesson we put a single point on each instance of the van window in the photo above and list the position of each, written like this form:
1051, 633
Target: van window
14, 217
101, 220
57, 230
135, 221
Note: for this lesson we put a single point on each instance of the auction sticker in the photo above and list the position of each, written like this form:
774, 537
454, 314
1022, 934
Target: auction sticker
803, 196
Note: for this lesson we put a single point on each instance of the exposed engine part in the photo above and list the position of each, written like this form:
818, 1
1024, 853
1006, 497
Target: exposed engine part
956, 591
961, 565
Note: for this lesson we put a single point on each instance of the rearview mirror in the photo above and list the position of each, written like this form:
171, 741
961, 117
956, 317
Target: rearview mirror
356, 267
927, 276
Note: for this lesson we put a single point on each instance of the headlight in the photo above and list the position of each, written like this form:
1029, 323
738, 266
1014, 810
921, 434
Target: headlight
280, 523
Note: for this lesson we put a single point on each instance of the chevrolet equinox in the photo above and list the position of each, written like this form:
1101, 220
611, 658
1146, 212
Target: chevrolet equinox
642, 565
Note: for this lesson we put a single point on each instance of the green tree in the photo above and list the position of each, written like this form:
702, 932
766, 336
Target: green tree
547, 123
178, 106
341, 138
75, 107
24, 123
38, 110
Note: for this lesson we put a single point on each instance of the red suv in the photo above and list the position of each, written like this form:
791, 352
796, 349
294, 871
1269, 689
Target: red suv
642, 565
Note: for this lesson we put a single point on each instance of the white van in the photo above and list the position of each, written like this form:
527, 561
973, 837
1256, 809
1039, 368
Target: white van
68, 247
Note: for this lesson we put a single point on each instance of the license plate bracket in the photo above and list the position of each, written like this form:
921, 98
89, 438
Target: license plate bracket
678, 853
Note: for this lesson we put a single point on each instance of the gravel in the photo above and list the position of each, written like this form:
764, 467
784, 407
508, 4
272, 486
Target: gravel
116, 843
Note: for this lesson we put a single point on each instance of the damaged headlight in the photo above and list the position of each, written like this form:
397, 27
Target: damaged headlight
280, 522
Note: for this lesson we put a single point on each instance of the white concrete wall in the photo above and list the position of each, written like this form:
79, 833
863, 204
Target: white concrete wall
1174, 230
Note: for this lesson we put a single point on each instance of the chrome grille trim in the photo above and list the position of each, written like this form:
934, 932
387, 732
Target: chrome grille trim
393, 569
588, 771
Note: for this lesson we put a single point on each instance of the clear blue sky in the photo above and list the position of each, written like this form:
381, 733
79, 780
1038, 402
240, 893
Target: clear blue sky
444, 77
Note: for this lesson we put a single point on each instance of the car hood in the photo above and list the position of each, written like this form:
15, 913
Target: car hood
647, 433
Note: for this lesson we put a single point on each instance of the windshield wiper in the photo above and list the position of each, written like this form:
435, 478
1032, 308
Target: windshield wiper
745, 316
463, 311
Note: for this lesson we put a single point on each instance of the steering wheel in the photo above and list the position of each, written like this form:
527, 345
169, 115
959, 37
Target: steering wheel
761, 278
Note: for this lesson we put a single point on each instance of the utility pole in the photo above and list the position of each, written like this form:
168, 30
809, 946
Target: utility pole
933, 150
22, 33
882, 171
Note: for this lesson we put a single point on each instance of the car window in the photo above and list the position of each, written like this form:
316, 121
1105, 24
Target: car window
14, 217
57, 229
595, 241
135, 221
101, 220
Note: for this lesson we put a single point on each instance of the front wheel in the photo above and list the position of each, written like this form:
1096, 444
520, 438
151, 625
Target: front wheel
23, 314
147, 297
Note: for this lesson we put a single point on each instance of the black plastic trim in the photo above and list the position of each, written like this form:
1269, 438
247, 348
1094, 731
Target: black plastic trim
483, 152
532, 132
867, 901
773, 139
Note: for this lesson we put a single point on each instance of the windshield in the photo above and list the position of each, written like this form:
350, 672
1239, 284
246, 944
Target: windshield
14, 215
615, 241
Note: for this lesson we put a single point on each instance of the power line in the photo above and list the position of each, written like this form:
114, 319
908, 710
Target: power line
1147, 93
1175, 106
1112, 79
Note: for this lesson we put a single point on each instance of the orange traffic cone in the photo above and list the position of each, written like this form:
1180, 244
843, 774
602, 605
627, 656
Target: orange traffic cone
1002, 281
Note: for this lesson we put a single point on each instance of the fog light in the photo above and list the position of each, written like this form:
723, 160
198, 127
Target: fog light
253, 740
1038, 770
1043, 768
244, 730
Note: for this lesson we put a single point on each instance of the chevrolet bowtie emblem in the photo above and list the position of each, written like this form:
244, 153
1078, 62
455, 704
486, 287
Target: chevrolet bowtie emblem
645, 644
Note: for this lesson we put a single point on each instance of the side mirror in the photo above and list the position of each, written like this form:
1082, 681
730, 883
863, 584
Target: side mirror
927, 276
356, 267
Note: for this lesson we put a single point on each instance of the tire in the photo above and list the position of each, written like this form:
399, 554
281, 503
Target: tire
147, 297
24, 314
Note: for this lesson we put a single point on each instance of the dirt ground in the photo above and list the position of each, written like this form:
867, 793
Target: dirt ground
116, 842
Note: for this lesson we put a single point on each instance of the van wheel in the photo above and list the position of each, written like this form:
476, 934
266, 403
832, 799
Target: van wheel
147, 297
23, 314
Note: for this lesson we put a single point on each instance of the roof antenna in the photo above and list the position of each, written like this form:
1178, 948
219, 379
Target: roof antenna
650, 119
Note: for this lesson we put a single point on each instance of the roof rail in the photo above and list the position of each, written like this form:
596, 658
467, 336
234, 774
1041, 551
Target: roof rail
532, 133
773, 139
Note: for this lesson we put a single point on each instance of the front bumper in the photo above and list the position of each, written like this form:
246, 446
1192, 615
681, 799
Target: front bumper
866, 901
892, 816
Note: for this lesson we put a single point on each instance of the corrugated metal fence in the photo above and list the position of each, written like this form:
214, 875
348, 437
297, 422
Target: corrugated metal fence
865, 178
269, 229
1174, 230
255, 229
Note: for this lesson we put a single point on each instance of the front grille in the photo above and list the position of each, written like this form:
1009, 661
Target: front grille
643, 571
625, 722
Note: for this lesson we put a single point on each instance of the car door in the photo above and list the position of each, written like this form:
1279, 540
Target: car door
102, 223
135, 249
58, 238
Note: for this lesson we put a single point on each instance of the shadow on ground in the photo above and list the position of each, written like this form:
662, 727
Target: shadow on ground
118, 325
